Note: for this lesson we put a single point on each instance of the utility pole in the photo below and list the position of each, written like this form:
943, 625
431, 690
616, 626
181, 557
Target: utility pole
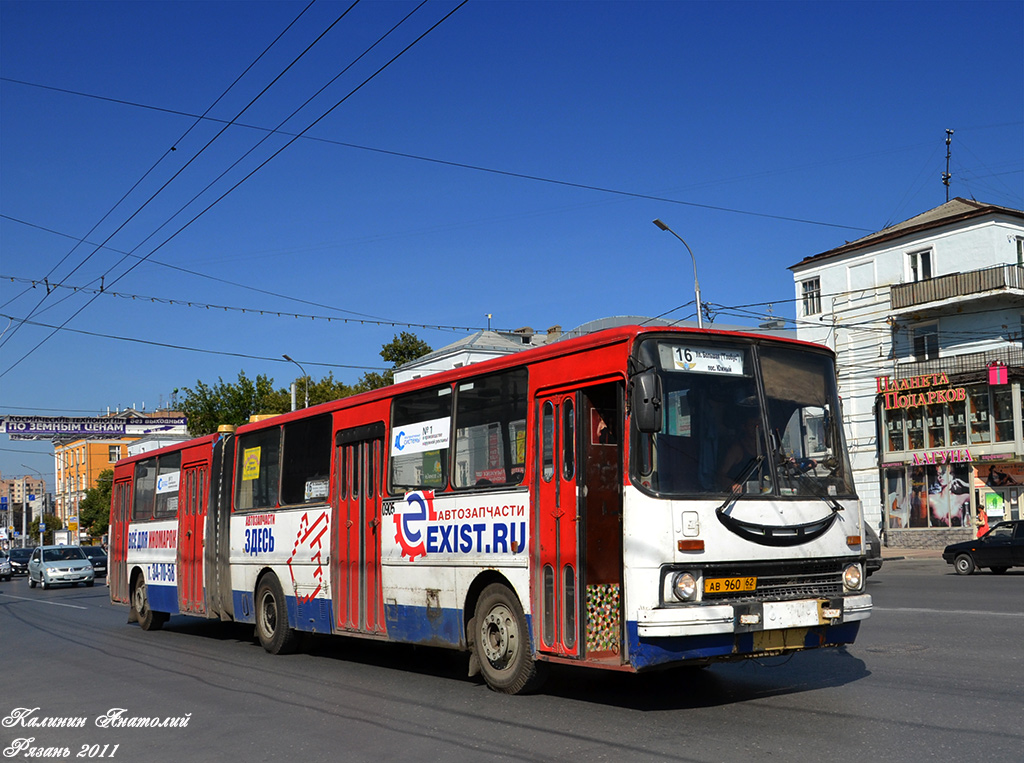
945, 175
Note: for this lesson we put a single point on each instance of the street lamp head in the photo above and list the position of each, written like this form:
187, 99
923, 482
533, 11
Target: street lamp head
288, 358
661, 225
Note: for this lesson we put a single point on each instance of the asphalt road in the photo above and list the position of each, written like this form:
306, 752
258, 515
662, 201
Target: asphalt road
936, 674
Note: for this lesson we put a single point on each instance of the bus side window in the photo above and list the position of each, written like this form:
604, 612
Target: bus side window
306, 460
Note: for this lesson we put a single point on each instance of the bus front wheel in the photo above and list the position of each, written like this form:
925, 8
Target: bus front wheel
272, 618
501, 642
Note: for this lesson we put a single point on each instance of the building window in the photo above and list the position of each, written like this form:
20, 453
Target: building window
1020, 251
926, 342
812, 296
114, 453
920, 265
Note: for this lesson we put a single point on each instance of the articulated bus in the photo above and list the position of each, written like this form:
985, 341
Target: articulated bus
631, 499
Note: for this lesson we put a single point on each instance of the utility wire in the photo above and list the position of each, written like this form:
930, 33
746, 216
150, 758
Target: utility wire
196, 304
198, 275
198, 120
477, 168
167, 345
245, 178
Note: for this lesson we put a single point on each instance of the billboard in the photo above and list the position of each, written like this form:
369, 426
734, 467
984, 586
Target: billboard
53, 427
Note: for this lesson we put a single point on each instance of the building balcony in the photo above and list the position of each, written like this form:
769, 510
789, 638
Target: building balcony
977, 362
994, 281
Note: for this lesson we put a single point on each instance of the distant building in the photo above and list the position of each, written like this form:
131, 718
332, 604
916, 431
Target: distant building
79, 461
483, 345
927, 321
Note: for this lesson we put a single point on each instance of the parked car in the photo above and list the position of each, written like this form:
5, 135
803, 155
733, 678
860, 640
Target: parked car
5, 567
19, 560
51, 565
873, 562
98, 557
999, 549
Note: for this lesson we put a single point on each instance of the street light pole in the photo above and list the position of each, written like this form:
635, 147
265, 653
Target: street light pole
305, 377
696, 283
26, 509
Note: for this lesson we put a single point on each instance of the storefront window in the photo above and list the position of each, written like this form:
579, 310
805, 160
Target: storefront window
977, 401
894, 421
936, 426
928, 496
957, 424
915, 429
1002, 412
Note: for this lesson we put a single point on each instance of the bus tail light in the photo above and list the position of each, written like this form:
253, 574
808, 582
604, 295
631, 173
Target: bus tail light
853, 541
690, 545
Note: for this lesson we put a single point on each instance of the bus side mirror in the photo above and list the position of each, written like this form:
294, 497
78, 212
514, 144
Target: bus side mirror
646, 401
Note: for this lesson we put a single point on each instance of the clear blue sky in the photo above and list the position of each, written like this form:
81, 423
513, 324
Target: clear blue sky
510, 162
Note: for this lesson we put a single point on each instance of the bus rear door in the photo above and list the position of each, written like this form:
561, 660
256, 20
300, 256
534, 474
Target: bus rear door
355, 553
191, 521
120, 516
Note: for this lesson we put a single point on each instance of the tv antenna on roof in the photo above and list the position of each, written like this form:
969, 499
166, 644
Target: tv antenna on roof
945, 175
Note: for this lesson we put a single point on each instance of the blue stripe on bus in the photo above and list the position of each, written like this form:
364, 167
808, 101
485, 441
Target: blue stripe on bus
420, 625
162, 598
649, 652
314, 616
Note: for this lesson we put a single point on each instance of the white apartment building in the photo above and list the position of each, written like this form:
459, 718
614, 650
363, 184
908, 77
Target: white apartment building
927, 321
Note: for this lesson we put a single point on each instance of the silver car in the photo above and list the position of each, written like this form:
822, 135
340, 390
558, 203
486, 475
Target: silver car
52, 565
5, 567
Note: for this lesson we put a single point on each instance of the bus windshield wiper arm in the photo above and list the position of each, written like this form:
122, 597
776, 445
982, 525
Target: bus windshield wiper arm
738, 489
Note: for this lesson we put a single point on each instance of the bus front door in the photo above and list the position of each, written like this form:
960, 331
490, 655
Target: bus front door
578, 576
355, 555
191, 523
557, 516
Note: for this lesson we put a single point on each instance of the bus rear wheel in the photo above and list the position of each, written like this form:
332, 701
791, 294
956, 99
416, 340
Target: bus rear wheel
502, 645
272, 618
148, 619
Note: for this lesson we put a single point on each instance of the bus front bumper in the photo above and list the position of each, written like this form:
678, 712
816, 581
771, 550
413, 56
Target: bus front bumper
747, 617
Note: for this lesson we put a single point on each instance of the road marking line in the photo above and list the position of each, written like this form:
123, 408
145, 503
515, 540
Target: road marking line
40, 601
948, 611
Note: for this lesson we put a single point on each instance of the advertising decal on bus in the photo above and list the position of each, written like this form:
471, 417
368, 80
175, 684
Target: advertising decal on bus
462, 527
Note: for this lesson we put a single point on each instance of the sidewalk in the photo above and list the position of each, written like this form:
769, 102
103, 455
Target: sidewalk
895, 554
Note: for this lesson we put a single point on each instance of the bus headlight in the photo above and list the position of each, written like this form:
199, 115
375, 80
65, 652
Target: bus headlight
853, 578
684, 586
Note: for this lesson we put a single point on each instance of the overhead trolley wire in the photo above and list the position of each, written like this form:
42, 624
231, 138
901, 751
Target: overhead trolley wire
198, 120
170, 346
246, 177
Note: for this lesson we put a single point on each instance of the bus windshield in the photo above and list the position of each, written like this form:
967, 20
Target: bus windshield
738, 417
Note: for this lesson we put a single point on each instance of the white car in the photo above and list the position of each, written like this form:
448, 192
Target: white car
53, 565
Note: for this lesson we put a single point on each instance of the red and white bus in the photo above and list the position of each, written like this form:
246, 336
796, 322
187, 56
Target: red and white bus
634, 498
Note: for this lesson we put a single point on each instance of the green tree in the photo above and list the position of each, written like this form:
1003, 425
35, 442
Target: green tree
52, 523
405, 347
94, 510
207, 407
323, 391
